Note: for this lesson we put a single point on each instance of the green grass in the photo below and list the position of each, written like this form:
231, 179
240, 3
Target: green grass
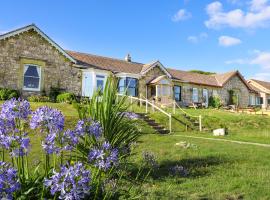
217, 170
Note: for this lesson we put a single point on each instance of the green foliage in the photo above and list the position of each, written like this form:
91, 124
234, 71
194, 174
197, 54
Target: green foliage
233, 99
54, 92
215, 102
6, 94
117, 130
36, 98
65, 97
202, 72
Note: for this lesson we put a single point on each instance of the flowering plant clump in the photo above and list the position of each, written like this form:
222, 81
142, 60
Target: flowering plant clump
179, 170
150, 159
88, 126
47, 118
72, 182
8, 181
101, 141
105, 157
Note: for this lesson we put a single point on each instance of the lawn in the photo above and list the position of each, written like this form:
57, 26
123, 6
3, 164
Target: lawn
216, 170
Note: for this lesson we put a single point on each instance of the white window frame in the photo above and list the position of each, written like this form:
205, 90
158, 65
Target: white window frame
104, 78
25, 67
195, 98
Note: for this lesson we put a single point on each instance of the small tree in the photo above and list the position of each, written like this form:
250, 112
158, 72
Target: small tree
215, 102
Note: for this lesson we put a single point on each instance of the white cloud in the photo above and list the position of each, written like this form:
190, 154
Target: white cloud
181, 15
238, 61
262, 59
197, 38
258, 5
227, 41
258, 15
264, 76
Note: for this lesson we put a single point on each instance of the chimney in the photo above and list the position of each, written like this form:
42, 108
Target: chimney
128, 58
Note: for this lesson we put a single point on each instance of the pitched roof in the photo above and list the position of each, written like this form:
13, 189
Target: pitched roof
254, 88
40, 32
195, 78
264, 84
105, 63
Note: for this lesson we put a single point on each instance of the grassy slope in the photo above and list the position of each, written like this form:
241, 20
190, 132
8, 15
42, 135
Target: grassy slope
217, 170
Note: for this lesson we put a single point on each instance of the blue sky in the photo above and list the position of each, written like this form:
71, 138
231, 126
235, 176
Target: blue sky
216, 36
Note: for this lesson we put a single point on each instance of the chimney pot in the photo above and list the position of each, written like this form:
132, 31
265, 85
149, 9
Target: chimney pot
128, 58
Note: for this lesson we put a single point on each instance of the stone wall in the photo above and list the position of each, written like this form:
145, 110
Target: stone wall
186, 94
236, 84
56, 69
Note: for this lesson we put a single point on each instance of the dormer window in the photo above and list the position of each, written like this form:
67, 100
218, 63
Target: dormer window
32, 77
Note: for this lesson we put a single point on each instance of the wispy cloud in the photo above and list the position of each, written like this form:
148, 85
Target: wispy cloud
257, 15
260, 59
227, 41
197, 38
181, 15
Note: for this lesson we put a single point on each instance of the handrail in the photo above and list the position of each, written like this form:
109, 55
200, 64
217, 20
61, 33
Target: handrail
194, 116
154, 106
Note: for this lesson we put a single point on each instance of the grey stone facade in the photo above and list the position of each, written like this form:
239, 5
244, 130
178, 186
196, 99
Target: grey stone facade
30, 48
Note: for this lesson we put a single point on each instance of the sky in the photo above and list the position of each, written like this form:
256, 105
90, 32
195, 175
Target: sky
216, 36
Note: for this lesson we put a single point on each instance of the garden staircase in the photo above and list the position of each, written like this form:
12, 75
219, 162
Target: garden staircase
152, 123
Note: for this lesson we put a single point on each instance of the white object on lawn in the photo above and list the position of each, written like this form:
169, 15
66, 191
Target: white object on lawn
219, 132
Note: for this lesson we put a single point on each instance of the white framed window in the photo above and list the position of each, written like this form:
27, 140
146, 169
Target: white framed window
195, 95
100, 82
32, 77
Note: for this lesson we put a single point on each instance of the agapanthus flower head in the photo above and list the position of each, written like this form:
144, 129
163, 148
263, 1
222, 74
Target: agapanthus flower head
70, 139
20, 145
150, 159
47, 118
104, 157
71, 183
179, 170
130, 115
90, 127
9, 182
49, 145
15, 109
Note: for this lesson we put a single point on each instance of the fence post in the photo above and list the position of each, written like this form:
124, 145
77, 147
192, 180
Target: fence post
140, 100
153, 108
170, 123
146, 106
174, 102
200, 122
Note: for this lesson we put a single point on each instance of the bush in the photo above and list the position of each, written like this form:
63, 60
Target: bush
36, 98
54, 92
215, 102
65, 97
6, 94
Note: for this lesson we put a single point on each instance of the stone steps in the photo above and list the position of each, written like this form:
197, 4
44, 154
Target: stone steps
155, 125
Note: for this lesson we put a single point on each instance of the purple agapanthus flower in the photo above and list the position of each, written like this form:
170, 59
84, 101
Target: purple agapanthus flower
71, 183
89, 126
20, 145
8, 181
47, 118
15, 109
130, 115
70, 139
104, 157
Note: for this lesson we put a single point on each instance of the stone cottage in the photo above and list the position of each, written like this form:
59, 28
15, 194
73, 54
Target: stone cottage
33, 63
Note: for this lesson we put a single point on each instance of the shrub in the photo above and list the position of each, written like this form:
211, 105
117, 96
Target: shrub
6, 94
54, 92
215, 102
65, 97
36, 98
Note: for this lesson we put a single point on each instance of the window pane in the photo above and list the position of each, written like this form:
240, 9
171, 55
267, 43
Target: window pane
100, 84
131, 82
121, 90
31, 82
195, 97
31, 71
131, 91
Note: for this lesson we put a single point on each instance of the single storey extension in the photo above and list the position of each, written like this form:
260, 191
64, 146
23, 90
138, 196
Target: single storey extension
30, 61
